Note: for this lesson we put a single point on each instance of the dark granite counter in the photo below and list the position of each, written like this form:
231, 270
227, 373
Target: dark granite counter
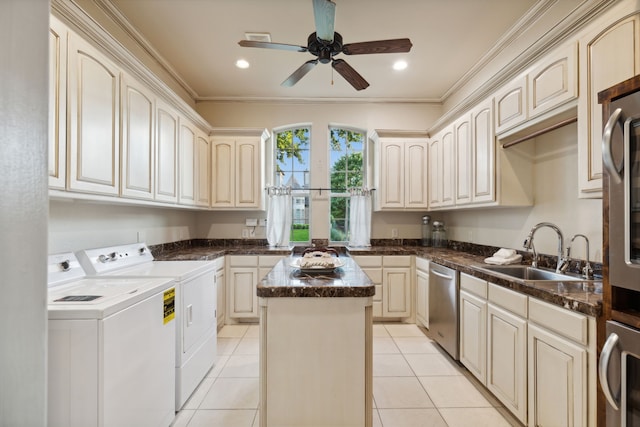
286, 280
584, 297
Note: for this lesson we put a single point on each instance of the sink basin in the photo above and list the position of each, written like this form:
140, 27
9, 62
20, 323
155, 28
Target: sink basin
530, 274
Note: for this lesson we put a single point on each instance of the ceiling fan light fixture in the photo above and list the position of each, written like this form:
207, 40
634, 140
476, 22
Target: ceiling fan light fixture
258, 37
400, 65
242, 63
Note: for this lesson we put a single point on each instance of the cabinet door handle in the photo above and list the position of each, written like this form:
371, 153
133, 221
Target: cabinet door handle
603, 367
607, 156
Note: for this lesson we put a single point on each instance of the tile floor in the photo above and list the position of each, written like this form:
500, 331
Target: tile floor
415, 384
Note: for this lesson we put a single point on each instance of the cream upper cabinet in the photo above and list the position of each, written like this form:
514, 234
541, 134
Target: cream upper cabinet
58, 34
237, 168
554, 80
400, 170
94, 119
483, 167
138, 140
446, 157
511, 104
166, 188
186, 163
203, 169
603, 45
434, 172
463, 160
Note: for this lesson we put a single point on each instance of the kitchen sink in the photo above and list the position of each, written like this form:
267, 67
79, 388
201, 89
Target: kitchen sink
530, 274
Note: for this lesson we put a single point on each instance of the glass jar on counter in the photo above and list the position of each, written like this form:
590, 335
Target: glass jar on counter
439, 235
426, 231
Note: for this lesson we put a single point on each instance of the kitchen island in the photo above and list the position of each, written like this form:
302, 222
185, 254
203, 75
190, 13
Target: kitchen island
316, 354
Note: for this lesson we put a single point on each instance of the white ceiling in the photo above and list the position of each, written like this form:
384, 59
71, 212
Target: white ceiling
198, 41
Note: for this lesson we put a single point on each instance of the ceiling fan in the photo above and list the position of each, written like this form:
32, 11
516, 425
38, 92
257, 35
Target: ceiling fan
325, 43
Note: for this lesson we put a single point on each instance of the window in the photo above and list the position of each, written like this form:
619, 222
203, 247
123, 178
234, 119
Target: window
346, 169
292, 170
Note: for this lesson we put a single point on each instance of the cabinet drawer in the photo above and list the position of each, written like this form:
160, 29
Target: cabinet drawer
422, 264
473, 285
377, 309
378, 295
375, 274
396, 261
243, 261
269, 260
508, 299
368, 261
564, 322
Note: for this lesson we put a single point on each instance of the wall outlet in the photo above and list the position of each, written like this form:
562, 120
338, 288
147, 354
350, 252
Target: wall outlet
251, 222
262, 222
394, 233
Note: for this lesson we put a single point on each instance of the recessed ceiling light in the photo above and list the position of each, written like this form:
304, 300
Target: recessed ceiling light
399, 65
242, 63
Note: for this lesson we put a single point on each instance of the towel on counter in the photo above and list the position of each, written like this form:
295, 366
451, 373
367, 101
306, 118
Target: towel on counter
504, 257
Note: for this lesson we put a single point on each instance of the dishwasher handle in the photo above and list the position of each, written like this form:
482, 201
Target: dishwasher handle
442, 275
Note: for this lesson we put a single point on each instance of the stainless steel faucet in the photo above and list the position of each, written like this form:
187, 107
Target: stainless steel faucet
587, 271
562, 264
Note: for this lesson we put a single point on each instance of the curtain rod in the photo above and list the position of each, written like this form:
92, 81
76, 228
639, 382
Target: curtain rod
320, 190
540, 132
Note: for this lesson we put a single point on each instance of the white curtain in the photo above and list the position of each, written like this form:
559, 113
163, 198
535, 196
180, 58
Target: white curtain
279, 216
360, 217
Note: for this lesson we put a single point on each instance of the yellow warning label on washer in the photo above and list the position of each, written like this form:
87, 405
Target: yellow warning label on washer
169, 305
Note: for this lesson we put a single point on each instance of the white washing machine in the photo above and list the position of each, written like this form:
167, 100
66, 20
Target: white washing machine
110, 348
196, 324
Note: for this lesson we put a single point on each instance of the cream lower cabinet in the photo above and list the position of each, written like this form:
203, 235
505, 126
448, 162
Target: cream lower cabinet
391, 275
507, 349
221, 291
422, 292
243, 274
562, 367
473, 325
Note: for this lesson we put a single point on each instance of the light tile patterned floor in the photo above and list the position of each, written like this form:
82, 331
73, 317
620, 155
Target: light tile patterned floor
415, 384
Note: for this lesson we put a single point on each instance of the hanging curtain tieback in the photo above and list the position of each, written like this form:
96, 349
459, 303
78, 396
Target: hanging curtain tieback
278, 191
360, 191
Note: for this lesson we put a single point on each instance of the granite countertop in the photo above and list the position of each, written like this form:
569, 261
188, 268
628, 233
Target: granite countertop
584, 296
286, 280
585, 299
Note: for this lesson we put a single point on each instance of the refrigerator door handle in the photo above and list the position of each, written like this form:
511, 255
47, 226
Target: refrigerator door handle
603, 367
607, 157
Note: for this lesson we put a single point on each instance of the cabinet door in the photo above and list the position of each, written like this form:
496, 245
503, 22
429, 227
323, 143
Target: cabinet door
166, 189
415, 180
435, 172
248, 182
447, 168
198, 309
94, 119
138, 142
221, 296
396, 292
511, 104
223, 179
557, 380
203, 170
391, 191
599, 49
57, 104
473, 334
554, 81
243, 300
422, 297
187, 166
462, 160
507, 359
483, 165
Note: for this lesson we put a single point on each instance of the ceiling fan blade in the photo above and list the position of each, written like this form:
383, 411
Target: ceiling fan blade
349, 74
379, 46
324, 12
299, 73
269, 45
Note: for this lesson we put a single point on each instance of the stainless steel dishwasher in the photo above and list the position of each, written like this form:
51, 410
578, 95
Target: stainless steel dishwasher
443, 307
